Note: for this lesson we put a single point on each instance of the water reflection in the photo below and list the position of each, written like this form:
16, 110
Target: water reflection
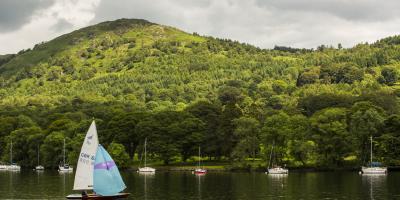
213, 186
199, 177
376, 184
145, 176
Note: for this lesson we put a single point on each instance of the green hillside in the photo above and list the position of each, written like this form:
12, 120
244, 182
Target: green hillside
139, 79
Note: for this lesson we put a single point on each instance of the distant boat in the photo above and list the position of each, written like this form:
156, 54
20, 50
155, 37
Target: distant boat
64, 167
199, 170
3, 167
374, 167
97, 171
146, 169
13, 166
275, 169
38, 167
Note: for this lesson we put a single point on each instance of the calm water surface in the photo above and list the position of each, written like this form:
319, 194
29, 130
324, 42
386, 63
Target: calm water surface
213, 186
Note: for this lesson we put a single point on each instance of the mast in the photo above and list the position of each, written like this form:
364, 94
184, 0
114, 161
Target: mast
270, 155
199, 157
64, 152
145, 152
11, 157
38, 155
371, 151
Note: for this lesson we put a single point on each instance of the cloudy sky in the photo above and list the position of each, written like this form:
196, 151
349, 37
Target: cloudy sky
264, 23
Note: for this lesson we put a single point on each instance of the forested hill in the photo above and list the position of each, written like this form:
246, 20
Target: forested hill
139, 79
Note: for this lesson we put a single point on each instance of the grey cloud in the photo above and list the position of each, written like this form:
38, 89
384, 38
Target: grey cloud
264, 23
16, 13
62, 25
358, 10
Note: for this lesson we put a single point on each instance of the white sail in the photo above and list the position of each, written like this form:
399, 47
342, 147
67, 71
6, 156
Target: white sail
85, 166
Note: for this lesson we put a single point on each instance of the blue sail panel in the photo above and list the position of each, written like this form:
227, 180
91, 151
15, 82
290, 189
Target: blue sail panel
106, 178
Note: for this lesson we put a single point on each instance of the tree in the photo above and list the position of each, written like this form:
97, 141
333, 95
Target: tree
247, 130
389, 76
209, 114
366, 120
52, 149
300, 147
329, 127
225, 130
389, 141
275, 131
307, 77
121, 129
119, 155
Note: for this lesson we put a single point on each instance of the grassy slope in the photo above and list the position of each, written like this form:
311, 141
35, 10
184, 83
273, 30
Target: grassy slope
125, 61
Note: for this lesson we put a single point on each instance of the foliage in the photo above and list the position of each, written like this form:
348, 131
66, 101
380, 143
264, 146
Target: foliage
142, 80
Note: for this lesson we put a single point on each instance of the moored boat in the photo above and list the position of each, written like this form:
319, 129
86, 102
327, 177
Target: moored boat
65, 167
146, 169
3, 167
374, 167
39, 167
275, 169
13, 166
199, 170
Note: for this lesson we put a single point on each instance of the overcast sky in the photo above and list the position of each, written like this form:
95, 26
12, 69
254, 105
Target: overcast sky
264, 23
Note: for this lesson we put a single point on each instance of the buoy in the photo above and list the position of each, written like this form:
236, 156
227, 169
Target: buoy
360, 172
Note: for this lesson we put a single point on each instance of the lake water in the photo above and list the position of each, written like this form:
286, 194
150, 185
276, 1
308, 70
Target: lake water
213, 186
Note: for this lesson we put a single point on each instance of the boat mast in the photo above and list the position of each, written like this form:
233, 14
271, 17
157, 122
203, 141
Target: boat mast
64, 153
371, 151
199, 157
270, 155
38, 155
11, 157
145, 152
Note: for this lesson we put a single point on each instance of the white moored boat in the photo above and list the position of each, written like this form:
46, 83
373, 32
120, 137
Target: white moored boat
146, 169
374, 167
65, 167
13, 166
38, 167
3, 167
275, 169
374, 170
199, 170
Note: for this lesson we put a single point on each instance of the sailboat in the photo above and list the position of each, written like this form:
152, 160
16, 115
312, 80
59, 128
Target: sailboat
65, 166
13, 166
97, 171
146, 169
199, 170
3, 167
375, 167
38, 167
275, 169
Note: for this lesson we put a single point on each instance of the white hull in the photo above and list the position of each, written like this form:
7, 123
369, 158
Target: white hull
3, 167
65, 169
40, 167
13, 168
277, 170
374, 170
147, 170
200, 171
